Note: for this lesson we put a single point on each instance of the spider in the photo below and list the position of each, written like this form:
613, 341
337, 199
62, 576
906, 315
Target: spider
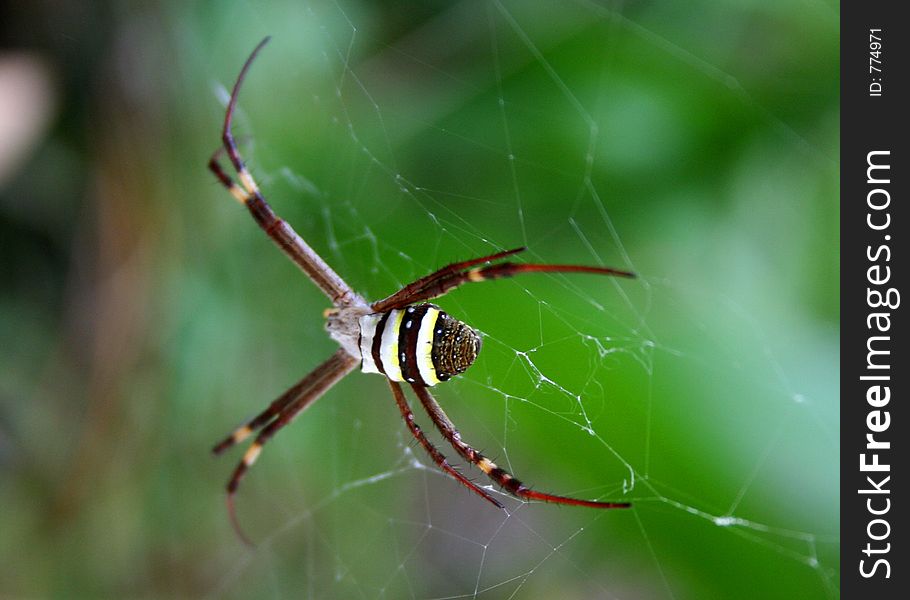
401, 337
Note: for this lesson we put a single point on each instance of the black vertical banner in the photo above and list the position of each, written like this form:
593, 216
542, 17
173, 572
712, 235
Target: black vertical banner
874, 371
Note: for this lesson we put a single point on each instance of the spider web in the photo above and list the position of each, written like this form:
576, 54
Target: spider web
703, 392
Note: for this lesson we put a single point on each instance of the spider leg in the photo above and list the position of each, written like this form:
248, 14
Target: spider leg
400, 298
331, 284
299, 389
435, 454
453, 276
236, 191
499, 475
323, 377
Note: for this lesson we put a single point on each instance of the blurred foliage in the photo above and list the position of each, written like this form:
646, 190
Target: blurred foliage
145, 315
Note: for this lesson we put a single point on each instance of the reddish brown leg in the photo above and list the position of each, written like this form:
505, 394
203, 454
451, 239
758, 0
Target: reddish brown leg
454, 275
323, 378
281, 233
291, 395
399, 298
435, 454
500, 476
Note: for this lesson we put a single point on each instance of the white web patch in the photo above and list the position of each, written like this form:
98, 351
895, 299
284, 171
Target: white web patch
678, 394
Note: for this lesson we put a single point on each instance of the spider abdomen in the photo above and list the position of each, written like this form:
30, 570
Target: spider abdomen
418, 344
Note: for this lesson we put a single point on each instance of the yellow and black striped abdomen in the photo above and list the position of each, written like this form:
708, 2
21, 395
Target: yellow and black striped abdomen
417, 344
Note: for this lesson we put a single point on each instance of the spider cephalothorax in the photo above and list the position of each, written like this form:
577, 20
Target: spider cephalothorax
401, 337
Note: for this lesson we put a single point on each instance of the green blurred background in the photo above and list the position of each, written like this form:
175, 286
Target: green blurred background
144, 314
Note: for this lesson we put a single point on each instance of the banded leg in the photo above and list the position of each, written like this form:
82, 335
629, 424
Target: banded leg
226, 180
457, 274
324, 377
435, 454
398, 299
292, 394
331, 284
500, 476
